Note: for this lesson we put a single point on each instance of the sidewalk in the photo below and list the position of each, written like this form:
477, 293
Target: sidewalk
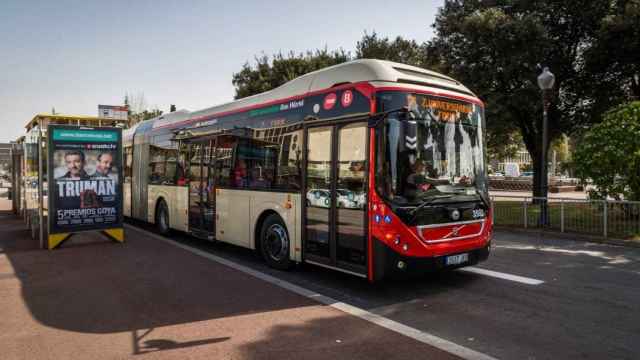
94, 299
575, 195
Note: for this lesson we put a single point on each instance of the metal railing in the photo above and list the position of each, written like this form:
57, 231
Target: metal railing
604, 218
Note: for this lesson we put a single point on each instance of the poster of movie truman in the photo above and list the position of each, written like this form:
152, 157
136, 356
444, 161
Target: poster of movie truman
84, 178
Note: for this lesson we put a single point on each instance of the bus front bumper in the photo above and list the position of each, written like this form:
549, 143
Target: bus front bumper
388, 263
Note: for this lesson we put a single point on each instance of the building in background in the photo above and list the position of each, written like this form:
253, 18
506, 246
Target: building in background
118, 112
521, 157
42, 120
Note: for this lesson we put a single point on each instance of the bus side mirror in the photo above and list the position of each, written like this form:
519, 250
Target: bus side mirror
403, 112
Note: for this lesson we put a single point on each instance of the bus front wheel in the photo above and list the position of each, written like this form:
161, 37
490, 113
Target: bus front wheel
274, 243
162, 218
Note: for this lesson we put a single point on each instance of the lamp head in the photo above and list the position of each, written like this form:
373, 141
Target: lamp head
546, 79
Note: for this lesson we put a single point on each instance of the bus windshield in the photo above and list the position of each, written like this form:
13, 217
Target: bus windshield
435, 150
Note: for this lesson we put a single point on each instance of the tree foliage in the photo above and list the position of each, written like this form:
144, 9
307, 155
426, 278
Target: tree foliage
401, 50
613, 62
138, 108
269, 73
494, 47
609, 154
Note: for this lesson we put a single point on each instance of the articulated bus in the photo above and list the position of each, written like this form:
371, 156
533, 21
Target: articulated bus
369, 167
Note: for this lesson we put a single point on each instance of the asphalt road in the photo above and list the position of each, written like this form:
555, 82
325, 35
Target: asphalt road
94, 299
586, 307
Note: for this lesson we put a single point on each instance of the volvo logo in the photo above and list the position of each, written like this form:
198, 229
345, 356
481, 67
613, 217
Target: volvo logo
455, 231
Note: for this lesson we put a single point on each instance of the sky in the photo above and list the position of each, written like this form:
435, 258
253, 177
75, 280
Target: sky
74, 55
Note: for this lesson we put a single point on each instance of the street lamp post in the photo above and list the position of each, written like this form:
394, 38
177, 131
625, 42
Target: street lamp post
546, 81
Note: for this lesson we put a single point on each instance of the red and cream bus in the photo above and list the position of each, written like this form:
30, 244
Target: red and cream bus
368, 167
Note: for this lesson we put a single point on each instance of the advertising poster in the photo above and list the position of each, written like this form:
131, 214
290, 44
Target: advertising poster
85, 178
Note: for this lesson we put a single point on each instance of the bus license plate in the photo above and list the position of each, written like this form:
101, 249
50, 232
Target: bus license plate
457, 259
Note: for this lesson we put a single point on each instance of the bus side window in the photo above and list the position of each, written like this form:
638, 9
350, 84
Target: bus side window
193, 164
255, 164
128, 160
162, 165
182, 168
224, 156
288, 173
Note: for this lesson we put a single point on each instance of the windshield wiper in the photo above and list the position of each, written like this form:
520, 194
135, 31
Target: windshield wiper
477, 192
381, 116
426, 203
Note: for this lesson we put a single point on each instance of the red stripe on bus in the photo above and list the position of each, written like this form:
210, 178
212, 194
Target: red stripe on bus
362, 87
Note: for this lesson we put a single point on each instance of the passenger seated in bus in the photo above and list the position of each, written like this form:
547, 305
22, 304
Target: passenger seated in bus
240, 178
180, 178
260, 178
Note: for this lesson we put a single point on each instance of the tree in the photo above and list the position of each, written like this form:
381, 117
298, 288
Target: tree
126, 104
399, 50
138, 108
494, 48
507, 147
614, 59
269, 73
609, 154
137, 102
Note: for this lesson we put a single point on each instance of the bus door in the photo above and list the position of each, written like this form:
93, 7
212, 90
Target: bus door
335, 220
201, 190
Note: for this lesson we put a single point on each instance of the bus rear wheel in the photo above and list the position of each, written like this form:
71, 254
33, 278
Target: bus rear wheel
274, 243
162, 218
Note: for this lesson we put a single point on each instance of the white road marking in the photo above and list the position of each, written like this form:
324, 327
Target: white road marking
501, 275
395, 326
618, 259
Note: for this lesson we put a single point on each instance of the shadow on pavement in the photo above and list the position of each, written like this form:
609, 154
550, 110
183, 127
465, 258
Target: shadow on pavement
141, 346
317, 339
107, 287
340, 286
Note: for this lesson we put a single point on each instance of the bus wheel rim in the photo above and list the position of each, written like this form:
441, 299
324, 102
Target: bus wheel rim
277, 242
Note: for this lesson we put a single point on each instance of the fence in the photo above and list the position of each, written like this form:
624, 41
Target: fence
605, 218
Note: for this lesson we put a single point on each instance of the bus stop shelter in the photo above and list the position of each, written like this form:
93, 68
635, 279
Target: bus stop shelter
30, 166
